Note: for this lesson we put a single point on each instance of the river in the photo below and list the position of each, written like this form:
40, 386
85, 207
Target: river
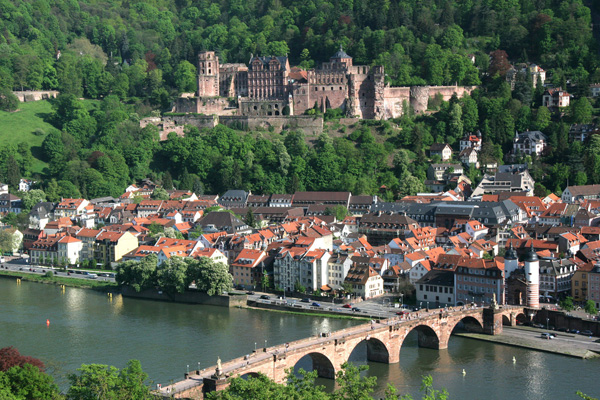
88, 327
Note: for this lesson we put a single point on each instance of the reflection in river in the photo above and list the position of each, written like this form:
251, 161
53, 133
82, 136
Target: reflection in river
87, 327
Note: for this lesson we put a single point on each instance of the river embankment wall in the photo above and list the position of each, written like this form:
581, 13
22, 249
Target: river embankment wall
236, 300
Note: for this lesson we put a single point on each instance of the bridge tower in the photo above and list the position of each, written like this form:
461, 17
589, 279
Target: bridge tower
511, 261
532, 275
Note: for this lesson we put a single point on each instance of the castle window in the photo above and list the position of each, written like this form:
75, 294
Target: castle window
316, 89
340, 88
332, 88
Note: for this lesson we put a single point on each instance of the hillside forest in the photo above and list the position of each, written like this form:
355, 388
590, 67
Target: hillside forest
116, 61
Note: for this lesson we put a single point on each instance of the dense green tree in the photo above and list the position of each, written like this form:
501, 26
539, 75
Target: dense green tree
28, 383
96, 381
590, 307
185, 76
211, 277
171, 276
139, 275
31, 198
567, 304
160, 194
8, 101
581, 111
8, 240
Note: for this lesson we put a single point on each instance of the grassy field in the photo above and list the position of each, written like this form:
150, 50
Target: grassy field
18, 126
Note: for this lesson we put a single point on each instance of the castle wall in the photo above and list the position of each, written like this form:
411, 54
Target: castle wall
419, 97
394, 101
361, 92
205, 105
175, 123
262, 89
448, 91
233, 80
255, 108
301, 98
307, 123
35, 95
199, 121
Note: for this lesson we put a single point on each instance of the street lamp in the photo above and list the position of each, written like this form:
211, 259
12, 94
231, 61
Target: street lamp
265, 343
421, 305
254, 346
547, 323
198, 367
188, 369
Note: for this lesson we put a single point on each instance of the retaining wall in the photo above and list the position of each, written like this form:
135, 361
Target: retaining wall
187, 297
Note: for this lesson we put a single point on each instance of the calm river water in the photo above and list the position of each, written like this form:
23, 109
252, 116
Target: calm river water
88, 327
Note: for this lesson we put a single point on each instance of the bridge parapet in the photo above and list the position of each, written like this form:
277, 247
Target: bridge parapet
330, 350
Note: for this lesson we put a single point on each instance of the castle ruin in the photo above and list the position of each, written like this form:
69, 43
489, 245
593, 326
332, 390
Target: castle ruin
268, 86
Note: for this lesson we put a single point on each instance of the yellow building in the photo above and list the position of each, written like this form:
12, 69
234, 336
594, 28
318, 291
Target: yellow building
110, 247
579, 282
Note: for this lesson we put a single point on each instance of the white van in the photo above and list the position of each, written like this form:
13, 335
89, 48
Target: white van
2, 260
92, 276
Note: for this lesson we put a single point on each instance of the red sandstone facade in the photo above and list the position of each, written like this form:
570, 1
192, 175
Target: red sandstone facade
267, 86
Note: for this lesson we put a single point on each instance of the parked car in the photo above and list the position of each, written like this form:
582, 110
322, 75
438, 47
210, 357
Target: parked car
315, 304
538, 326
250, 292
265, 297
402, 313
356, 309
546, 335
347, 306
305, 300
562, 330
573, 331
587, 332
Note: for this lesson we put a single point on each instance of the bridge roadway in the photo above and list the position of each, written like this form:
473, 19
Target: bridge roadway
330, 350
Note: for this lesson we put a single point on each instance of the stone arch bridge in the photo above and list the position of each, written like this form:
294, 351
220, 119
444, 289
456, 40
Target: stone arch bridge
329, 351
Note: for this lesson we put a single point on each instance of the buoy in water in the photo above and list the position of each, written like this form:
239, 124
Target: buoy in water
514, 359
464, 372
47, 322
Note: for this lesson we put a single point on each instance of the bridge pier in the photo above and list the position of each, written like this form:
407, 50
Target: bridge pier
492, 321
431, 341
377, 352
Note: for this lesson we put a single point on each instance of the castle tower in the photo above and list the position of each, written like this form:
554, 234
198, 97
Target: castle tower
511, 261
208, 74
532, 275
341, 60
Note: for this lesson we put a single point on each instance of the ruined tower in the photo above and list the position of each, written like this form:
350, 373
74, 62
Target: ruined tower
208, 74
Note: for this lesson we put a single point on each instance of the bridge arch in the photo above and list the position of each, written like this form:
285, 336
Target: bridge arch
469, 323
377, 350
506, 320
522, 318
249, 375
320, 362
427, 336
